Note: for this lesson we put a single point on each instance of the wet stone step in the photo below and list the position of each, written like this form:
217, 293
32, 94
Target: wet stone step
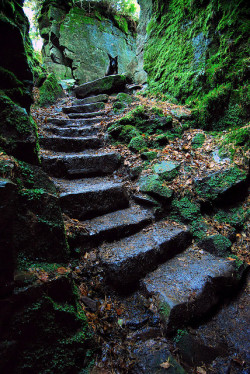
68, 144
186, 287
72, 122
79, 165
92, 99
112, 226
88, 198
131, 258
98, 116
87, 108
73, 131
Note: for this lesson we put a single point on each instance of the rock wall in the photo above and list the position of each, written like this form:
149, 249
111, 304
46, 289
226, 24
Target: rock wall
77, 42
146, 7
32, 312
197, 52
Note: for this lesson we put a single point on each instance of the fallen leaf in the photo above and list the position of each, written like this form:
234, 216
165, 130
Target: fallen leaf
200, 370
166, 365
62, 270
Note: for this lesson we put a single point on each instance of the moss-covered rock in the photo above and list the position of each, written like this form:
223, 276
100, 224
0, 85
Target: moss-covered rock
38, 229
150, 155
167, 170
216, 244
198, 140
49, 91
223, 184
45, 330
137, 144
154, 186
18, 133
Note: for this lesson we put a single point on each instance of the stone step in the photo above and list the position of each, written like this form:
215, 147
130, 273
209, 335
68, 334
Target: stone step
69, 144
98, 116
86, 108
186, 287
128, 260
88, 198
105, 85
92, 99
89, 163
63, 122
111, 226
72, 131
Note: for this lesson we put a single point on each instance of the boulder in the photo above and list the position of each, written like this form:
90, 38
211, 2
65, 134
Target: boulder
109, 84
167, 170
153, 185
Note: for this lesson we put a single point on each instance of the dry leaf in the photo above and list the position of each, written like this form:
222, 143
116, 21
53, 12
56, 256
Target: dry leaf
166, 365
200, 370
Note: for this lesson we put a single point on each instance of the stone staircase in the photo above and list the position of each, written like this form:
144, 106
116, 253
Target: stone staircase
134, 249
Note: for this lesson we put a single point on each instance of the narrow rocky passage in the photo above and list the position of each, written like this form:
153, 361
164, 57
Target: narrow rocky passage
161, 283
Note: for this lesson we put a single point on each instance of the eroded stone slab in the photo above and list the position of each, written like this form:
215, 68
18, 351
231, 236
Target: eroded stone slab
113, 226
92, 99
70, 144
73, 122
85, 164
87, 198
72, 131
86, 108
109, 84
186, 287
129, 259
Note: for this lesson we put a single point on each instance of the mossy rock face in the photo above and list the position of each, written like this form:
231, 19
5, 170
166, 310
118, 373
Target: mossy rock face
195, 66
8, 198
167, 170
50, 91
18, 135
221, 185
153, 185
38, 229
81, 41
216, 244
45, 330
137, 144
16, 54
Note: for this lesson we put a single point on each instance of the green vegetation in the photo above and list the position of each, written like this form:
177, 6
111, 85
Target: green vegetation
137, 144
179, 335
235, 217
185, 210
49, 91
198, 53
235, 139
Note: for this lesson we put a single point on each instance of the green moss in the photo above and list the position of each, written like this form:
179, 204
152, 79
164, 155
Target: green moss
127, 133
154, 186
212, 187
151, 155
198, 229
52, 336
164, 310
49, 91
122, 23
234, 139
198, 53
198, 140
167, 170
137, 144
179, 335
185, 210
235, 217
